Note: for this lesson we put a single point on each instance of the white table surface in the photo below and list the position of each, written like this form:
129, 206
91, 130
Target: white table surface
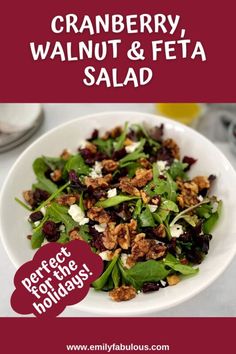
219, 299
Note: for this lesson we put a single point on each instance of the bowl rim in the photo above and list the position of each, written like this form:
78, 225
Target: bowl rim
138, 311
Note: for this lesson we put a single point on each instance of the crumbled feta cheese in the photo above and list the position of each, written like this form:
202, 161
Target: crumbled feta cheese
162, 166
105, 255
123, 258
77, 214
200, 198
62, 228
43, 210
111, 192
152, 207
176, 230
163, 282
96, 170
100, 228
36, 223
132, 147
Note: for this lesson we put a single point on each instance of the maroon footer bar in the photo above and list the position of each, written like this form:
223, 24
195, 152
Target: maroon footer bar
109, 335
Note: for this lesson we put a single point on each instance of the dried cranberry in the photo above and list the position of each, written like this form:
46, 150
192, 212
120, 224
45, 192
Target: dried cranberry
119, 154
36, 216
190, 161
148, 287
51, 231
74, 180
164, 154
123, 212
94, 135
39, 196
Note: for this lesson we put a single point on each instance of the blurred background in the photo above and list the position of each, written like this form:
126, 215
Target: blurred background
22, 124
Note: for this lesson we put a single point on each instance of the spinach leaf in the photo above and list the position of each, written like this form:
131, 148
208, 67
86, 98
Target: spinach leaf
134, 156
37, 238
186, 211
210, 223
204, 211
116, 276
54, 162
175, 264
40, 167
104, 146
191, 219
137, 209
169, 205
164, 210
150, 141
109, 284
63, 238
77, 163
59, 213
142, 272
118, 144
146, 219
84, 232
171, 187
177, 170
110, 202
101, 281
131, 167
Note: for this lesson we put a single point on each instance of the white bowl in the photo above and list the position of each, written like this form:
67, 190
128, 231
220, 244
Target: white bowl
14, 227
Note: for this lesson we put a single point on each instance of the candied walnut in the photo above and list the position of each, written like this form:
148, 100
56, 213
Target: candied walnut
56, 175
109, 238
140, 249
123, 293
142, 177
149, 249
160, 231
123, 235
173, 279
91, 147
137, 238
98, 214
202, 182
114, 133
171, 145
127, 187
67, 199
89, 203
65, 155
156, 200
29, 197
145, 163
74, 235
109, 165
100, 182
132, 225
145, 197
156, 251
189, 192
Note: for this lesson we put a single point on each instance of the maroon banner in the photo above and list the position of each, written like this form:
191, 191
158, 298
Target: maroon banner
174, 51
109, 335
